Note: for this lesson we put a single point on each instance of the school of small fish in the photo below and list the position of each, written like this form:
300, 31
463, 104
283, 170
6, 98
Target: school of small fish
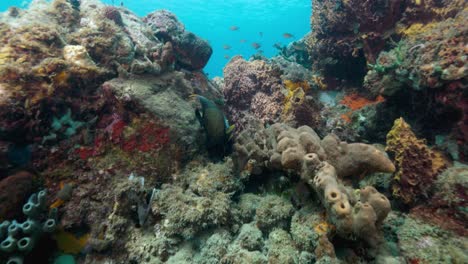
258, 45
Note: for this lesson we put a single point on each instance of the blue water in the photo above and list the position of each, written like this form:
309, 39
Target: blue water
212, 19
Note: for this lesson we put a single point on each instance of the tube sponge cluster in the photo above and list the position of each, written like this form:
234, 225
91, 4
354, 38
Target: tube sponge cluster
352, 217
321, 163
18, 239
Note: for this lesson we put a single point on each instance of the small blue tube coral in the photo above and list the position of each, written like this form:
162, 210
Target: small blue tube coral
18, 239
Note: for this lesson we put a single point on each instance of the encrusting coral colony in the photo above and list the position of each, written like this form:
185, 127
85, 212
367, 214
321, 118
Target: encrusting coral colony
350, 146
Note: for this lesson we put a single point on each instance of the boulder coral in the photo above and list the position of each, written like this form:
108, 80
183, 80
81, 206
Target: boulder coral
191, 51
252, 88
417, 165
14, 189
321, 163
271, 91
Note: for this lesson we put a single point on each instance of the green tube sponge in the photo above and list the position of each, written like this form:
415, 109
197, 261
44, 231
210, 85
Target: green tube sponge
31, 208
25, 244
17, 239
15, 260
30, 227
8, 245
49, 225
4, 228
41, 199
14, 228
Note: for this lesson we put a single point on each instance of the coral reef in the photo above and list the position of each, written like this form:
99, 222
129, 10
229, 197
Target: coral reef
166, 97
185, 213
252, 88
417, 165
269, 91
281, 248
306, 229
79, 107
49, 65
431, 59
423, 243
95, 106
346, 35
409, 53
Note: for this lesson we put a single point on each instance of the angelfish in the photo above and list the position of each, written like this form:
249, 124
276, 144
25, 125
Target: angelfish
215, 123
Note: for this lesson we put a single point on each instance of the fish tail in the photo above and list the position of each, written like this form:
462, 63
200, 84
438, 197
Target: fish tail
230, 129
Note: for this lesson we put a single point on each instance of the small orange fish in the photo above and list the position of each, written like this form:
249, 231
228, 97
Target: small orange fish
233, 28
287, 35
226, 47
227, 57
255, 45
243, 41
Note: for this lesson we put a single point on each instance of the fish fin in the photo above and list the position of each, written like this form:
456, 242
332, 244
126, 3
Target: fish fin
193, 96
219, 101
230, 129
199, 117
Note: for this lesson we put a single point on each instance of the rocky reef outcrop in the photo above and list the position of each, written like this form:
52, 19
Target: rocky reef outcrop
406, 55
90, 94
190, 51
45, 58
270, 91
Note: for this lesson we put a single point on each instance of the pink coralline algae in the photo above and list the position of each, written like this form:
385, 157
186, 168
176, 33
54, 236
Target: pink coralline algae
252, 88
144, 137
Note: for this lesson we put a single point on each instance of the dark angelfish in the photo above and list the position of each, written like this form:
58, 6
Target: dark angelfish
212, 119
